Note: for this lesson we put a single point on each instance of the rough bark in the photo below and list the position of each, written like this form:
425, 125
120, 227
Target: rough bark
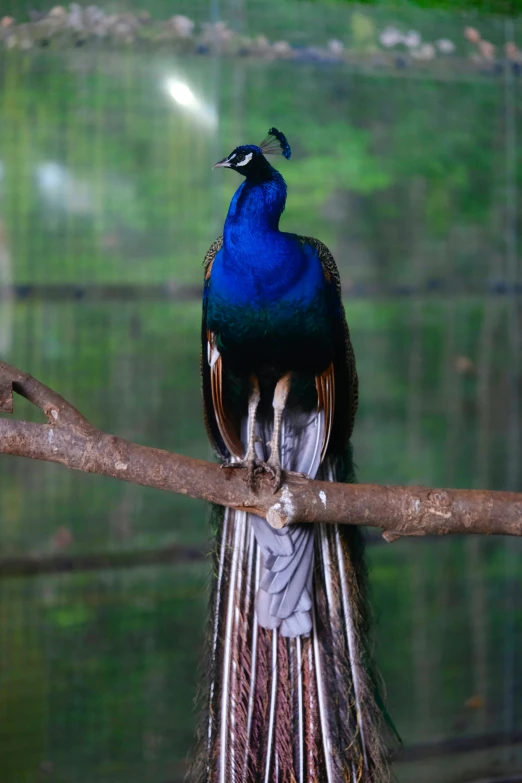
70, 440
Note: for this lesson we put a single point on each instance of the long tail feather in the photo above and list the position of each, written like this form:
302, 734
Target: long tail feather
290, 710
322, 700
299, 709
228, 699
254, 559
215, 632
272, 714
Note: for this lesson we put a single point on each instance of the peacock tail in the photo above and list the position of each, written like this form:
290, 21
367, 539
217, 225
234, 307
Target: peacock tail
303, 709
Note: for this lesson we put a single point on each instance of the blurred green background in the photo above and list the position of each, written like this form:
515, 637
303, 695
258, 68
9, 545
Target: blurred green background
409, 169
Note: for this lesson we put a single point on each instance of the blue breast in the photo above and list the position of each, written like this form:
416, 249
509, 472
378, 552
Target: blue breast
270, 273
258, 264
267, 292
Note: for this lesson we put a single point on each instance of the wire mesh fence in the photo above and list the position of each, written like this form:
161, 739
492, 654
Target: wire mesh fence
408, 168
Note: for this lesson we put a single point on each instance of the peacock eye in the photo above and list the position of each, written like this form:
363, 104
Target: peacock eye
243, 159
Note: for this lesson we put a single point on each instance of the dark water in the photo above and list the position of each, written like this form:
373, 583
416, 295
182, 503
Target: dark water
107, 182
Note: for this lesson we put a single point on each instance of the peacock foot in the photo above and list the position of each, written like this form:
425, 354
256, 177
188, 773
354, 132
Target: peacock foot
274, 468
264, 467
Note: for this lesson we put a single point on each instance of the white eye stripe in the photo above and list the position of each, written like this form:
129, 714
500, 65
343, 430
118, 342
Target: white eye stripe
247, 159
232, 157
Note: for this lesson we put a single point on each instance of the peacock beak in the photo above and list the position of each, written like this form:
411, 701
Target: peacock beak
222, 164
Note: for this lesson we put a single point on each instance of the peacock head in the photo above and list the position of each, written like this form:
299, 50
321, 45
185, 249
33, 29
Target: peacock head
250, 160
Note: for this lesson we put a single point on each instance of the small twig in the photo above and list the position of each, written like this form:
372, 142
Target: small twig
70, 440
57, 410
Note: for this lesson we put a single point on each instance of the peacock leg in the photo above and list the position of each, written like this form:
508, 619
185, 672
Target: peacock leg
280, 397
251, 460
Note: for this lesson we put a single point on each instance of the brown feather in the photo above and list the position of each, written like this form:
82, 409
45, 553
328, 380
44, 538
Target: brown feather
284, 719
210, 255
262, 699
226, 427
325, 385
312, 763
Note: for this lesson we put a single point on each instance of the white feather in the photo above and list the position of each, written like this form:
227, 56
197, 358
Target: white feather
327, 565
233, 662
312, 726
214, 356
271, 720
318, 441
212, 351
239, 521
327, 745
254, 551
300, 716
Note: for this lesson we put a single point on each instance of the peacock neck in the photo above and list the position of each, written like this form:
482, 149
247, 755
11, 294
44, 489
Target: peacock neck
255, 210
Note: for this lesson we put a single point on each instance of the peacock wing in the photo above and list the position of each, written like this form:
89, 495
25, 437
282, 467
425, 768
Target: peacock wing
222, 427
340, 387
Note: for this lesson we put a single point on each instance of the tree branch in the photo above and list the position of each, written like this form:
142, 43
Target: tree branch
70, 440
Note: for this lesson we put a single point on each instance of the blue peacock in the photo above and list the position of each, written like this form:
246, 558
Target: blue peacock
289, 693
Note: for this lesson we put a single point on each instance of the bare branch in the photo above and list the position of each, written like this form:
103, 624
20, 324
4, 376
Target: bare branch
63, 562
70, 440
57, 410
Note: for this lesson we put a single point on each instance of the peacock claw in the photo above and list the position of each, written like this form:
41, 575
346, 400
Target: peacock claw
275, 471
264, 467
257, 467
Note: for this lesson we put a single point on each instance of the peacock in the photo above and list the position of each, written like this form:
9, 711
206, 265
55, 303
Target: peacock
289, 693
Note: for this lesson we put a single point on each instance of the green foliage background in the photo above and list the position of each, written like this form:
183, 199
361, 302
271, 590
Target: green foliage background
501, 7
162, 9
